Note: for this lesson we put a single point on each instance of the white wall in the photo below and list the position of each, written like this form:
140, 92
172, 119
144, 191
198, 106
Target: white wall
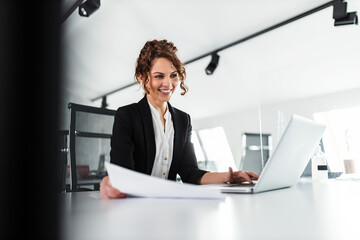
248, 120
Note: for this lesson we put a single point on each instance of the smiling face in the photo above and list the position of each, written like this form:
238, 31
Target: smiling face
163, 80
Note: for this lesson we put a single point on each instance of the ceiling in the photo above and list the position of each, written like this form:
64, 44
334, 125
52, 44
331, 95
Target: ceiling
305, 58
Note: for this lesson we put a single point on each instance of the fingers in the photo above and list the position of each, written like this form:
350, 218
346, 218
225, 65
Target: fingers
253, 175
241, 176
228, 178
107, 191
230, 174
246, 177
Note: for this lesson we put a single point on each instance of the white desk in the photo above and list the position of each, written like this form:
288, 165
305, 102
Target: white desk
309, 210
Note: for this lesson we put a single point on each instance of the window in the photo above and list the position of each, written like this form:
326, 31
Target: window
342, 136
212, 150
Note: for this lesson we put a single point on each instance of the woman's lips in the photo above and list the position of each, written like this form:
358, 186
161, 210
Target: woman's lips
165, 91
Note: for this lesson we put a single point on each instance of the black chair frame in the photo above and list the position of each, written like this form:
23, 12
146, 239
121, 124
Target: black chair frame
74, 108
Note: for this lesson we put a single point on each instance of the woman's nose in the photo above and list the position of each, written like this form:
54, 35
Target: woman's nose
167, 81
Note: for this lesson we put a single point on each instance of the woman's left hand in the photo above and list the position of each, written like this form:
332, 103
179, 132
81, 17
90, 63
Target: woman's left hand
240, 176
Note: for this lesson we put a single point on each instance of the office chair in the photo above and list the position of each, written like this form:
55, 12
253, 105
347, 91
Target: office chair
89, 141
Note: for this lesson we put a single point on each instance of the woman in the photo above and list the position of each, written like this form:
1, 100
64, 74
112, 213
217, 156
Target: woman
151, 136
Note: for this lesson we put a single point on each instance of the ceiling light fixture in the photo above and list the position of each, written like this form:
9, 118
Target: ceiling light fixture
88, 7
104, 104
213, 64
341, 16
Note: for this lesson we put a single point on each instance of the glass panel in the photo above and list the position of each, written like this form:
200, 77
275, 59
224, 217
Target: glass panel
218, 152
313, 98
96, 123
91, 153
342, 138
198, 150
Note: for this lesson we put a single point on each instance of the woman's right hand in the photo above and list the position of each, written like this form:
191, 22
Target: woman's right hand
107, 191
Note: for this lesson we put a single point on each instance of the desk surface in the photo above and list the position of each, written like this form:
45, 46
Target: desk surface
309, 210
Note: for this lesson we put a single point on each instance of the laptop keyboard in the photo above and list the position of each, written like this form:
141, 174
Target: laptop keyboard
240, 184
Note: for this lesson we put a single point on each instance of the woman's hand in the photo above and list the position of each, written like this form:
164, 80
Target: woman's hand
240, 176
107, 191
228, 177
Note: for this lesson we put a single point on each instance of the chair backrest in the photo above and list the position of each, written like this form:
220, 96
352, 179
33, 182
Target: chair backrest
62, 158
89, 140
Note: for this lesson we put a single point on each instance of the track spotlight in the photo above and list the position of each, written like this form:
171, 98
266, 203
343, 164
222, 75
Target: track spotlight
341, 16
213, 64
88, 7
103, 102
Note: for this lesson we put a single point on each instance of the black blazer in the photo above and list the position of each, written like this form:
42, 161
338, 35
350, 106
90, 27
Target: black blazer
133, 142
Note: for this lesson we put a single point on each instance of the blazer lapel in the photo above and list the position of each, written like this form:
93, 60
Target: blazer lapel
149, 133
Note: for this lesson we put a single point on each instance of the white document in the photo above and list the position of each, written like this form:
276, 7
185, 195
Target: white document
142, 185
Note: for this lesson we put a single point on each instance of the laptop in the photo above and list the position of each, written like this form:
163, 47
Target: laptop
289, 159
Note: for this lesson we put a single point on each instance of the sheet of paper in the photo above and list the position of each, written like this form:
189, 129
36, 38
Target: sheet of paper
142, 185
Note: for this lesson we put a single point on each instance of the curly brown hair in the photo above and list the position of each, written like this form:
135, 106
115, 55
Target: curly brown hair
159, 49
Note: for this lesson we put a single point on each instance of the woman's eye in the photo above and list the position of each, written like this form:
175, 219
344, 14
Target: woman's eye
159, 76
173, 75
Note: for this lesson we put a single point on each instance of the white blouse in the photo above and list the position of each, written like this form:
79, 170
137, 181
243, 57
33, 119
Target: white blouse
164, 142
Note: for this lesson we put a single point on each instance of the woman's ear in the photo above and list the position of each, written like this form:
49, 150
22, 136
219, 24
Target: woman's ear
142, 79
142, 82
